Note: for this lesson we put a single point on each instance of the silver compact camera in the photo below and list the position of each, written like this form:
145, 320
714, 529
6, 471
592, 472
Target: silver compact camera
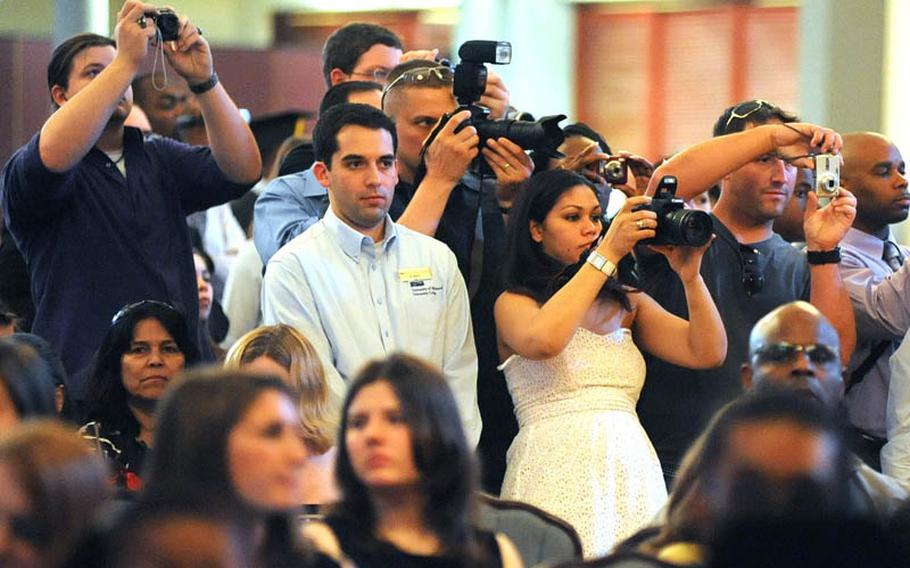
827, 177
615, 171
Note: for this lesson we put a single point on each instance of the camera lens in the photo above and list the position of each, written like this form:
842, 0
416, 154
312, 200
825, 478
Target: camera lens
687, 227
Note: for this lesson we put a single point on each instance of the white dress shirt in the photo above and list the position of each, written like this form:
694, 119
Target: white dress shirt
356, 300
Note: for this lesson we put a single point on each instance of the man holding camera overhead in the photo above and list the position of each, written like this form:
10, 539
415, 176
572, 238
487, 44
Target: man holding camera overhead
438, 195
749, 269
97, 211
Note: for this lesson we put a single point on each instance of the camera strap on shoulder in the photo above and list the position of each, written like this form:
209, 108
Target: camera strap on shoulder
858, 374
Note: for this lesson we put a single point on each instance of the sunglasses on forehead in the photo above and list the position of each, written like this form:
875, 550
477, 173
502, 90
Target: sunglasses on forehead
129, 308
421, 76
744, 110
784, 352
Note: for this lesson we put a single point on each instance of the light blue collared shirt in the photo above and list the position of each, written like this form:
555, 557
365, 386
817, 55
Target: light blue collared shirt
881, 303
287, 207
356, 300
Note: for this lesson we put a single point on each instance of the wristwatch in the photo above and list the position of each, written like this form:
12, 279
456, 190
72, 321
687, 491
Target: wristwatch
205, 86
602, 263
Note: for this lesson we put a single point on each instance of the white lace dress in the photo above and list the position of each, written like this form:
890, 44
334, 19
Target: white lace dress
581, 453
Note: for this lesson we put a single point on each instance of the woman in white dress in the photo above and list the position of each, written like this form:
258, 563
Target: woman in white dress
569, 334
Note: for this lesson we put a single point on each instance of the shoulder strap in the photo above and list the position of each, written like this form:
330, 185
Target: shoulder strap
858, 374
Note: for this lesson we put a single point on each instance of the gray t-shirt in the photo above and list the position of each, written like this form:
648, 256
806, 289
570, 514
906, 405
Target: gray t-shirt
677, 403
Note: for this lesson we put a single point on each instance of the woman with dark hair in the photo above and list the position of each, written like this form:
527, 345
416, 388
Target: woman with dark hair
51, 486
147, 345
228, 447
26, 385
569, 333
406, 476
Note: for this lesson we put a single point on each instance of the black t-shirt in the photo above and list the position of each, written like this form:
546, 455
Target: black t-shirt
677, 403
368, 552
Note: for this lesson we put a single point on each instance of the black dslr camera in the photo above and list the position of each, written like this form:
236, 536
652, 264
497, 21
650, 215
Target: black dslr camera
676, 225
167, 21
543, 136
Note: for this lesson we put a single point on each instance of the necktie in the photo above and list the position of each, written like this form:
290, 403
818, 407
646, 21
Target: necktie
892, 255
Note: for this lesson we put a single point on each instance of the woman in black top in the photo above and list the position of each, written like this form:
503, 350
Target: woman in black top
146, 346
406, 476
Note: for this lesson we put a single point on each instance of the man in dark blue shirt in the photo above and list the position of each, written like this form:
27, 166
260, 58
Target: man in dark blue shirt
97, 211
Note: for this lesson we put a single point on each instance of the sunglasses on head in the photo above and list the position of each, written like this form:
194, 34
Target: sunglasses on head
421, 76
744, 110
784, 352
137, 305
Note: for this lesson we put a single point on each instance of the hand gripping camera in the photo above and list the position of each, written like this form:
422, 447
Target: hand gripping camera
167, 21
544, 135
676, 225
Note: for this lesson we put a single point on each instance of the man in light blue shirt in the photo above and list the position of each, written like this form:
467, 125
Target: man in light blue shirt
360, 286
290, 204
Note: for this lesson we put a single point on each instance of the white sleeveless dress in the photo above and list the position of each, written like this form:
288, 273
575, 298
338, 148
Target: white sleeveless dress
581, 453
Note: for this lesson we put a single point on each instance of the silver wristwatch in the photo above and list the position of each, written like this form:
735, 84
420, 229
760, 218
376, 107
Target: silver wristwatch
602, 263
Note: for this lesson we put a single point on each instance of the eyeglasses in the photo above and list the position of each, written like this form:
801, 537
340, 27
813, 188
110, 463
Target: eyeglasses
753, 280
744, 110
421, 76
129, 308
380, 74
784, 352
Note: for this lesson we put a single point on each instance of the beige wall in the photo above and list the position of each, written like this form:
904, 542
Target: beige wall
27, 18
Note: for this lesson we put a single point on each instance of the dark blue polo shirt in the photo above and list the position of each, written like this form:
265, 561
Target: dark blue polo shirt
95, 241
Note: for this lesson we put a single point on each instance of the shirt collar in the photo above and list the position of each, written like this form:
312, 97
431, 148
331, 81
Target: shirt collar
869, 244
353, 242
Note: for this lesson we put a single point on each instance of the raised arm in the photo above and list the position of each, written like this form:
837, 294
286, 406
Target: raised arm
702, 165
233, 145
74, 128
824, 228
447, 159
701, 342
542, 332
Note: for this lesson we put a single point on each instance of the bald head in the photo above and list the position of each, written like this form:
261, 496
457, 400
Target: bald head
874, 171
795, 347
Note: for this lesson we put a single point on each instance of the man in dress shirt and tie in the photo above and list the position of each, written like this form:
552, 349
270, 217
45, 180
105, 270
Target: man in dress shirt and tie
360, 286
879, 286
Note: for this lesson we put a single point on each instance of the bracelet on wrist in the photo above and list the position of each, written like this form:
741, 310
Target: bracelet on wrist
206, 86
816, 257
602, 263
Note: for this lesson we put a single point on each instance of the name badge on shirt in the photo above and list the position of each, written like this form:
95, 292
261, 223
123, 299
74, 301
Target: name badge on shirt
420, 281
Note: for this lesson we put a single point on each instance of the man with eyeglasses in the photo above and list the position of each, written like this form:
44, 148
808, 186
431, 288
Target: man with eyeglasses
749, 269
795, 347
878, 281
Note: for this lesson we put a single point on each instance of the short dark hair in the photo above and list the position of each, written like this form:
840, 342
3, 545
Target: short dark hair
441, 453
527, 269
61, 63
754, 112
346, 44
341, 92
325, 133
107, 395
26, 379
582, 129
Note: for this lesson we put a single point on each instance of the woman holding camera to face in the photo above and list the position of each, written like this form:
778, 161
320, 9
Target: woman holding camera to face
569, 336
